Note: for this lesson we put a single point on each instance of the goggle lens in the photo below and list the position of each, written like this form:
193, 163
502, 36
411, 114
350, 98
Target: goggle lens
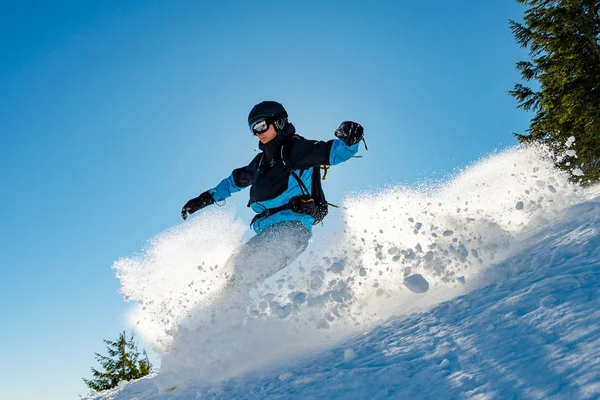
259, 126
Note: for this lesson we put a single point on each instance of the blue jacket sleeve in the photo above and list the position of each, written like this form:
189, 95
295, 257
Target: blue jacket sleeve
340, 152
239, 179
224, 189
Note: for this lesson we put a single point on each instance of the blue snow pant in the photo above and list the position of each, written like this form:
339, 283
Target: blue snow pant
268, 252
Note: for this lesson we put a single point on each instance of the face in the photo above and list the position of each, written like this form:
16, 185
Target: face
267, 135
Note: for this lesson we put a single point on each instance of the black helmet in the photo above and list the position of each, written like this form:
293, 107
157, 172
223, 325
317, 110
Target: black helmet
271, 111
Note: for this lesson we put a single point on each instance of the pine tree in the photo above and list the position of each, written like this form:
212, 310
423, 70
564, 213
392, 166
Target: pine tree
145, 365
563, 38
123, 363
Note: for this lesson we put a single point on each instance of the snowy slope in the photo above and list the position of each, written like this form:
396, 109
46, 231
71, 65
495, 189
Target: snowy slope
510, 254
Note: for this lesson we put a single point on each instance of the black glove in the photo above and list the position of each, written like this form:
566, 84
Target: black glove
195, 204
350, 132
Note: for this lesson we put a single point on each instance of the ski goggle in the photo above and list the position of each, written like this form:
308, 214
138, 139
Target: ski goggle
259, 126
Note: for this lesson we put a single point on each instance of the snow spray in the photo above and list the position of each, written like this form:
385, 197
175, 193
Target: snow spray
402, 249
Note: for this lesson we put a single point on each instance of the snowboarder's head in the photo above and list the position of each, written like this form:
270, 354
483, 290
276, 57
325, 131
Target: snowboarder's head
267, 119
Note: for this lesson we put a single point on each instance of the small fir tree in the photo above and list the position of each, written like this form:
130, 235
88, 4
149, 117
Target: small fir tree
122, 363
145, 365
563, 38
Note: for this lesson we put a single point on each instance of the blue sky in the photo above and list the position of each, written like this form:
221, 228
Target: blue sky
114, 113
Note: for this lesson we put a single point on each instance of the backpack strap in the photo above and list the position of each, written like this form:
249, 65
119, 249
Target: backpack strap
303, 187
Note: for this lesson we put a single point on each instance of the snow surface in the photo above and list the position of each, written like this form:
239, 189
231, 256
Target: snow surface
485, 287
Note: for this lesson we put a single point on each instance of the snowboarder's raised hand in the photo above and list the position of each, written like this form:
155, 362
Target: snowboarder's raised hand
350, 132
197, 203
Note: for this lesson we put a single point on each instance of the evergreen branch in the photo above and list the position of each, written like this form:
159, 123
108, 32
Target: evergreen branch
528, 70
528, 99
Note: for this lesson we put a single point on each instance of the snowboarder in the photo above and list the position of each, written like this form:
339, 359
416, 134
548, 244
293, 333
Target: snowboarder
285, 190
